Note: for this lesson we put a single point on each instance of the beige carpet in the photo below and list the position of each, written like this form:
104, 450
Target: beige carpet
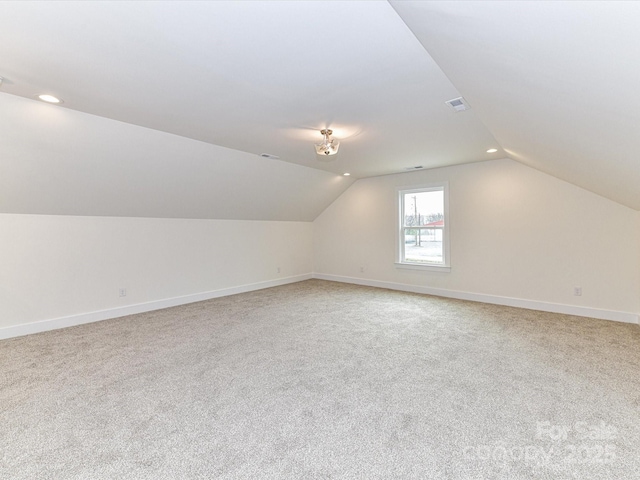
320, 380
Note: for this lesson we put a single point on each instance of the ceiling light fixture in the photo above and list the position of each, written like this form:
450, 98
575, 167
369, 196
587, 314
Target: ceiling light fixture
328, 146
346, 174
492, 150
49, 99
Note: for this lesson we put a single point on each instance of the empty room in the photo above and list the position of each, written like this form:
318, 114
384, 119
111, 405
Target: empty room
319, 240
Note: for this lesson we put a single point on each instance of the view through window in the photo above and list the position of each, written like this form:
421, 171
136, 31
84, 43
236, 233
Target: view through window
423, 232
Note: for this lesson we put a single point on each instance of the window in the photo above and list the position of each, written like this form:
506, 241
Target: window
423, 236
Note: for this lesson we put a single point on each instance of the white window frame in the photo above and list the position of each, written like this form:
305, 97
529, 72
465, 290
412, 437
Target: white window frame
445, 266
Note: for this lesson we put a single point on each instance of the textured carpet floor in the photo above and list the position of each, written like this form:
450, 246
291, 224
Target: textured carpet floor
324, 380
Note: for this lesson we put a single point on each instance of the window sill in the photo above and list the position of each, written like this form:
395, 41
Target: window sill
427, 268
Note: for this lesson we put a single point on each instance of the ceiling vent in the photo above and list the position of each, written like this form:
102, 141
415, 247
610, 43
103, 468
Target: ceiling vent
458, 104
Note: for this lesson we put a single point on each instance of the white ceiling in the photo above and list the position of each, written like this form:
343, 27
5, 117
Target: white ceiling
556, 82
57, 161
551, 84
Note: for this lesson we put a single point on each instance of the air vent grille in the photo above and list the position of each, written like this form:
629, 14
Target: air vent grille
458, 104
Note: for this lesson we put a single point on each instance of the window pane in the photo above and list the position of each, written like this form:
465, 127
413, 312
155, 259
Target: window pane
423, 245
424, 237
424, 209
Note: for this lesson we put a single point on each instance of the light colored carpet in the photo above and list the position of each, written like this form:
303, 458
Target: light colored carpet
322, 380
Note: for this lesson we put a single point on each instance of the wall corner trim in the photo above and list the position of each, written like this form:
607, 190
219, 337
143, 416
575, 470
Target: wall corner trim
624, 317
90, 317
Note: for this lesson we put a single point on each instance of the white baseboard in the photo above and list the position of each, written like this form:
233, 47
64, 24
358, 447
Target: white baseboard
494, 299
72, 320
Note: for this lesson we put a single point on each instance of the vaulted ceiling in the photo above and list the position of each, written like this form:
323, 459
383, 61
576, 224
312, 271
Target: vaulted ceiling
550, 84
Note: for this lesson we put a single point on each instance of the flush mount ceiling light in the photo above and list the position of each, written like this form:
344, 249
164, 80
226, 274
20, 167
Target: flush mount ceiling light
328, 146
492, 150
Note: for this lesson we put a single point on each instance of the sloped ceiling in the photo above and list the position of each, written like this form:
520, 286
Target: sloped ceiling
556, 83
191, 93
58, 161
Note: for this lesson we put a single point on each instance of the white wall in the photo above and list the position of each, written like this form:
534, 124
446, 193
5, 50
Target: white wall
62, 268
516, 233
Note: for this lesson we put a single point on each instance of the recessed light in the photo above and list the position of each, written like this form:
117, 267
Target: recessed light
346, 174
492, 150
49, 99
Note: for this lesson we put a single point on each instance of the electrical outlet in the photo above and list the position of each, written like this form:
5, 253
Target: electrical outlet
361, 269
123, 292
278, 269
577, 291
